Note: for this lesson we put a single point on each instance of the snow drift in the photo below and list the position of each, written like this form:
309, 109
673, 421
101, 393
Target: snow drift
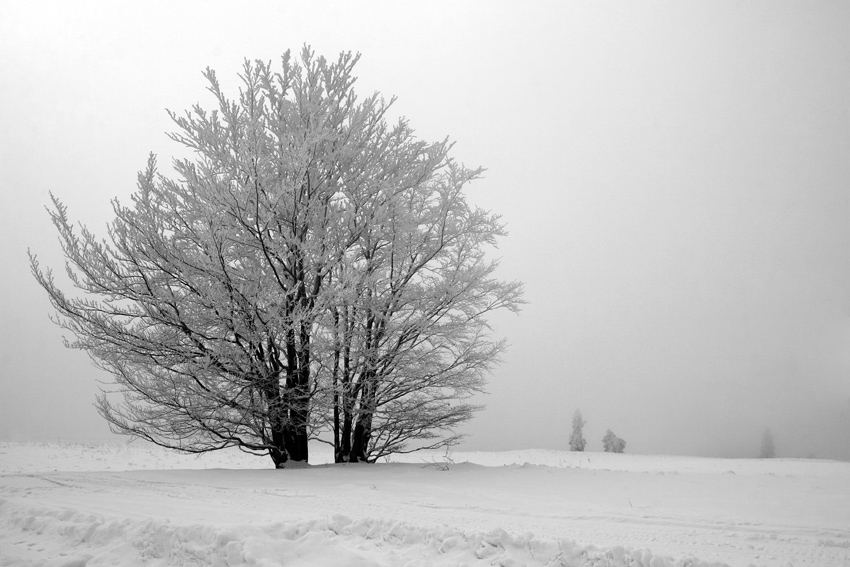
523, 508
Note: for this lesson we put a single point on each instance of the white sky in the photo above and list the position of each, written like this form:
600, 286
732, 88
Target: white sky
675, 178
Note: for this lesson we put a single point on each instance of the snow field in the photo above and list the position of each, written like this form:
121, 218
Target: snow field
78, 504
338, 540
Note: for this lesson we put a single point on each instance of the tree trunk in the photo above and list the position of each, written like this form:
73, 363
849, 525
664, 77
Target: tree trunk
297, 396
298, 417
362, 436
335, 384
342, 446
363, 430
360, 445
300, 412
279, 457
296, 426
277, 420
343, 454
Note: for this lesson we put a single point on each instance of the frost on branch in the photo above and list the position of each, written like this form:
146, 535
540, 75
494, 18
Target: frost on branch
313, 272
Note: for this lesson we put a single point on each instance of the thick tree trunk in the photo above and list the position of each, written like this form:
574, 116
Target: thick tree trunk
300, 411
360, 446
295, 430
277, 418
298, 417
337, 430
359, 451
342, 446
275, 403
279, 457
344, 450
297, 395
335, 384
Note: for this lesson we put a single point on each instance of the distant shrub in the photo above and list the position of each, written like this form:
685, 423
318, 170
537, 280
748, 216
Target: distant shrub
612, 444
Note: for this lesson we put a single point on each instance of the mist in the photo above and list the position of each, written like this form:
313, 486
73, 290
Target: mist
674, 178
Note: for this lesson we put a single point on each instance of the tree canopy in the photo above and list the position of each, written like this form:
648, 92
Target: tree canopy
312, 273
612, 444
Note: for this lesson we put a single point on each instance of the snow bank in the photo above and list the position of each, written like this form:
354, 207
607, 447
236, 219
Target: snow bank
48, 456
337, 540
91, 504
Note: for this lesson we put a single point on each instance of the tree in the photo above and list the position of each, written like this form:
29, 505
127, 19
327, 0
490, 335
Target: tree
612, 444
577, 442
314, 271
768, 450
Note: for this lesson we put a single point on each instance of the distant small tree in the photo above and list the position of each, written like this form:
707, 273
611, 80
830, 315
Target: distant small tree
612, 444
577, 441
768, 450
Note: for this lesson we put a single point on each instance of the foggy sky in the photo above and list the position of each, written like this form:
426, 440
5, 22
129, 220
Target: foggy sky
675, 178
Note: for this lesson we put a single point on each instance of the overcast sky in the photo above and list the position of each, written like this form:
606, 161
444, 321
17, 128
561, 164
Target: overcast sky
675, 178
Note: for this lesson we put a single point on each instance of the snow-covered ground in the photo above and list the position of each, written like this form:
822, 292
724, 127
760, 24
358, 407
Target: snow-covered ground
75, 504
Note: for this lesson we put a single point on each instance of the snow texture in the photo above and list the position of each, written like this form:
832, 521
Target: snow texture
74, 505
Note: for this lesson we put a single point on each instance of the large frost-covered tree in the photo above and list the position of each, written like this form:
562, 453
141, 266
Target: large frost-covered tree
577, 442
313, 272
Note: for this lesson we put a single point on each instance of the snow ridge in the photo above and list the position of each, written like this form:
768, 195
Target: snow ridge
89, 539
136, 505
